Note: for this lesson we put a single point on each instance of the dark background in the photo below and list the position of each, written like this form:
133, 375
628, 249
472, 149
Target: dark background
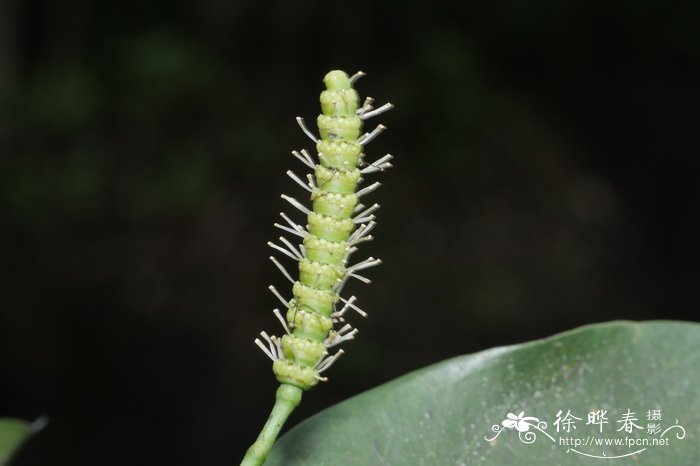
543, 179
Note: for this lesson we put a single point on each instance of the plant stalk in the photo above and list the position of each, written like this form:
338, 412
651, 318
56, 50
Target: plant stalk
286, 399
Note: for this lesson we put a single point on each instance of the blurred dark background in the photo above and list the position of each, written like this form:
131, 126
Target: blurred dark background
543, 180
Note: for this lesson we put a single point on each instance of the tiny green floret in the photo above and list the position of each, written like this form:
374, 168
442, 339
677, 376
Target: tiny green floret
336, 224
336, 80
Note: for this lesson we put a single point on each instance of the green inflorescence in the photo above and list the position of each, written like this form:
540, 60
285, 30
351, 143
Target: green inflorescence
336, 222
329, 227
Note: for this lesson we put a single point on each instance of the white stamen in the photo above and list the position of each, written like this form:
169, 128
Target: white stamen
265, 350
365, 264
299, 229
273, 350
358, 208
328, 362
270, 341
338, 315
296, 204
364, 239
279, 296
291, 247
366, 106
278, 344
367, 211
282, 250
282, 269
348, 253
350, 303
363, 219
306, 154
382, 109
360, 277
367, 137
338, 340
282, 320
293, 176
368, 189
306, 131
361, 232
305, 159
344, 334
312, 182
378, 165
357, 76
350, 272
290, 230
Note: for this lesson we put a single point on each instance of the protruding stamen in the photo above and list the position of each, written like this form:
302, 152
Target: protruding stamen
359, 277
367, 137
370, 262
278, 344
358, 235
377, 111
306, 154
296, 227
290, 230
293, 176
282, 269
338, 315
297, 204
306, 131
273, 351
291, 247
312, 182
270, 340
350, 303
304, 157
363, 219
364, 239
344, 334
357, 76
367, 189
265, 350
378, 165
366, 106
282, 320
338, 340
328, 362
369, 210
366, 215
279, 296
358, 208
365, 264
289, 253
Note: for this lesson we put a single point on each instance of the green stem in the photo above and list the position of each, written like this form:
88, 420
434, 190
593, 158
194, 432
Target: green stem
286, 399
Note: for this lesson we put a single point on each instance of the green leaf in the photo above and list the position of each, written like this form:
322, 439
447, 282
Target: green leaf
441, 415
13, 432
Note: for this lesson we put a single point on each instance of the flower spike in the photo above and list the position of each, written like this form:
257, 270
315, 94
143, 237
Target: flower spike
336, 224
